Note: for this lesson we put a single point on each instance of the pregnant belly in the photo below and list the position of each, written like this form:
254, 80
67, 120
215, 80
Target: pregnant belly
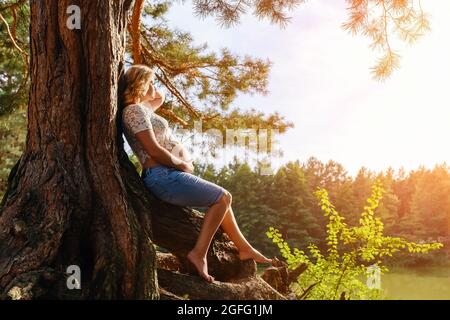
177, 149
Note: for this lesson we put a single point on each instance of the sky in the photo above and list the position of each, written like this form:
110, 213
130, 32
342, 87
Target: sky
320, 80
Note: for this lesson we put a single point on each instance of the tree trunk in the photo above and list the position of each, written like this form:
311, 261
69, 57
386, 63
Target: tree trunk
74, 198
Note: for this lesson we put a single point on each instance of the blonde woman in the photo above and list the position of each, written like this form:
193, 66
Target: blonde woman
167, 168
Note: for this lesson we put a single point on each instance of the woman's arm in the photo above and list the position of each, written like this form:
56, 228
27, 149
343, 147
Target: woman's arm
182, 152
148, 141
158, 100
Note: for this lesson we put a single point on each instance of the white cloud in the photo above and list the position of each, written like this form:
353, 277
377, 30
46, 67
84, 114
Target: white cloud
320, 80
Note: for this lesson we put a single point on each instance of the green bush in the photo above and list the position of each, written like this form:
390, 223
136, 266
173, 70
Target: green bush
350, 251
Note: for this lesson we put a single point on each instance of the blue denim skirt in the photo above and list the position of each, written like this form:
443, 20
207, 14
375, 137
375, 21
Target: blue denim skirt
181, 188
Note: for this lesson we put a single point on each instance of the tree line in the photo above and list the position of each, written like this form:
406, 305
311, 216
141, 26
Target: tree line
415, 205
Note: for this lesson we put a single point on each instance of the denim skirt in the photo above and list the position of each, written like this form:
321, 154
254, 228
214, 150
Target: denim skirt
181, 188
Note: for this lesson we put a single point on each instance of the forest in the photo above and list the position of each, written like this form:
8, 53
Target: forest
70, 193
415, 205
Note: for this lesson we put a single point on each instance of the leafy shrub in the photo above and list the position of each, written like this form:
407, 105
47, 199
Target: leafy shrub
351, 253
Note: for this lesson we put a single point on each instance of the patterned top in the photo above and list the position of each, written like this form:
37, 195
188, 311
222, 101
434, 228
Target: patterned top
137, 118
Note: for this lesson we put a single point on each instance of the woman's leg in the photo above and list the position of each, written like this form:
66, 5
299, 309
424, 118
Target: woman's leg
221, 213
211, 222
184, 189
246, 251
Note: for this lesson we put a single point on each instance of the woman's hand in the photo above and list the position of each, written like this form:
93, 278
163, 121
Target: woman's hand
155, 98
152, 91
186, 167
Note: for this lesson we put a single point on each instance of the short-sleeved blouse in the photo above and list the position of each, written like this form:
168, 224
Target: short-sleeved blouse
137, 118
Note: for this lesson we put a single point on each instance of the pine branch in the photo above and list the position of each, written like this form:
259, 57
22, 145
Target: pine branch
134, 28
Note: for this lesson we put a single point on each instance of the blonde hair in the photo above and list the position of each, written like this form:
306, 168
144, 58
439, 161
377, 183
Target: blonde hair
137, 80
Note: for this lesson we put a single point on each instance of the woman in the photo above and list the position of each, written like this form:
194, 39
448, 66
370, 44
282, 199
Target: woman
167, 168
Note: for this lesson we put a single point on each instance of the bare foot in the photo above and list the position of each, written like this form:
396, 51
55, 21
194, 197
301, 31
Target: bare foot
254, 254
201, 266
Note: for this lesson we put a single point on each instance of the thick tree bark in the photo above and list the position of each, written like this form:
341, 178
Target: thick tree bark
72, 197
174, 284
194, 288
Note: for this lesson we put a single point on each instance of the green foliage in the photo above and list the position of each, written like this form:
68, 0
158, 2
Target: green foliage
136, 163
12, 136
341, 267
286, 200
13, 68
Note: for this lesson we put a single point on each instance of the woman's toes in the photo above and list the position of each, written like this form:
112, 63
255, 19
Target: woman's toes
262, 259
267, 260
255, 255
